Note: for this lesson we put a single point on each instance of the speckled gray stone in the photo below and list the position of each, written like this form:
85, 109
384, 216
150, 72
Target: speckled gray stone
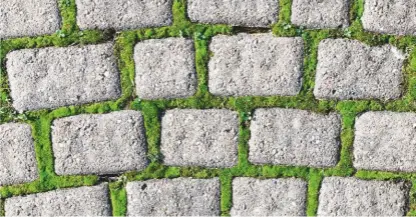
396, 17
206, 138
165, 68
99, 144
81, 201
294, 137
174, 197
269, 197
349, 69
255, 65
28, 18
17, 154
341, 196
123, 14
53, 77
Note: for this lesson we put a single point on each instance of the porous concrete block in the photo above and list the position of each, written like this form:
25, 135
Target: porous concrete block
174, 197
248, 13
341, 196
349, 69
99, 144
165, 68
123, 14
294, 137
53, 77
81, 201
255, 65
269, 197
206, 138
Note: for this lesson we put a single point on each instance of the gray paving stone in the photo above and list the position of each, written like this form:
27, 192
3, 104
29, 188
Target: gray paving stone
207, 138
99, 144
174, 197
349, 69
123, 14
18, 18
249, 13
17, 154
54, 77
320, 14
396, 17
269, 197
81, 201
294, 137
165, 68
341, 196
255, 65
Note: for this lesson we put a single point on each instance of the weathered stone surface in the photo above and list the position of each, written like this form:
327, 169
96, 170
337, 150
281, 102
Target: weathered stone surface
123, 14
294, 137
349, 69
205, 138
353, 197
174, 197
53, 77
82, 201
269, 197
99, 144
165, 68
256, 65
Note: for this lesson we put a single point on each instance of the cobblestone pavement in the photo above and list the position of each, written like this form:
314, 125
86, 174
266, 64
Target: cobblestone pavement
197, 107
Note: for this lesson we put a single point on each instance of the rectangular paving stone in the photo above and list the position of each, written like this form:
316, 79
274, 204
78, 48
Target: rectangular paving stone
341, 196
53, 77
294, 137
99, 144
174, 197
269, 197
81, 201
349, 69
255, 65
249, 13
206, 138
123, 14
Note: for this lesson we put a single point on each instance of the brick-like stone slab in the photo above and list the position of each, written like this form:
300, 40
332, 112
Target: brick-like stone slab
341, 196
249, 13
207, 138
165, 68
349, 69
53, 77
123, 14
294, 137
81, 201
174, 197
269, 197
99, 144
255, 65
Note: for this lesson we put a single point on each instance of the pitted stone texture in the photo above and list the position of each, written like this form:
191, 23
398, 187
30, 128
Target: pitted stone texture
396, 17
165, 68
174, 197
269, 197
255, 65
17, 154
28, 18
82, 201
99, 144
52, 77
249, 13
349, 69
320, 14
294, 137
123, 14
205, 138
341, 196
